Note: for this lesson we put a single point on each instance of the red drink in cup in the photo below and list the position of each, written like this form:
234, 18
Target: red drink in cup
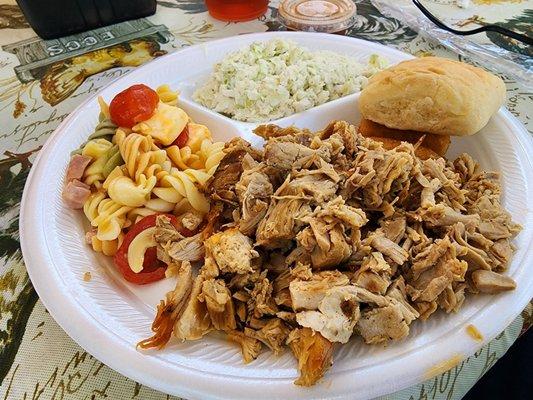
236, 10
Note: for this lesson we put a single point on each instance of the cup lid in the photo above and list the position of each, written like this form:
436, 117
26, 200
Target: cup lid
317, 15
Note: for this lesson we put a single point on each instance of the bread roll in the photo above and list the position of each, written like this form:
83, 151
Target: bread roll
434, 95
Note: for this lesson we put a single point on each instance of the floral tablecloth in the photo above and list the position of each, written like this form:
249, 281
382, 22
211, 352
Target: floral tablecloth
40, 83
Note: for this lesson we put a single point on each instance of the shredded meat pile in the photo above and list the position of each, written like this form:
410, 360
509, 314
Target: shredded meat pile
326, 235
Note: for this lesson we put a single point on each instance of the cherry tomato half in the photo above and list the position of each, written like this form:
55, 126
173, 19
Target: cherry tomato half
182, 139
133, 105
153, 268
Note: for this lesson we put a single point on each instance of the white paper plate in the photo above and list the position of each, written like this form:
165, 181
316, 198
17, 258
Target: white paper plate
108, 316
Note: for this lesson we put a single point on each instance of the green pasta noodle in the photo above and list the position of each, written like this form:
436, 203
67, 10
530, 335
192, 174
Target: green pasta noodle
114, 159
104, 130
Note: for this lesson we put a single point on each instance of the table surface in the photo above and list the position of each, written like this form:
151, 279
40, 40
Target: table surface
42, 81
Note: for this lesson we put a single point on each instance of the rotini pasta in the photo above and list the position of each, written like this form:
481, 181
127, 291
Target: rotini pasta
114, 159
160, 205
107, 247
124, 191
104, 109
211, 155
184, 185
183, 158
168, 194
106, 157
104, 130
98, 150
140, 158
206, 158
107, 216
167, 95
139, 213
139, 170
197, 175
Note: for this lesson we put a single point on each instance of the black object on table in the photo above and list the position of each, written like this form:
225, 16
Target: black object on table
55, 18
487, 28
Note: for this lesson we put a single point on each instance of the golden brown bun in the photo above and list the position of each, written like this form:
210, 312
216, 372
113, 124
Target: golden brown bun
437, 143
433, 95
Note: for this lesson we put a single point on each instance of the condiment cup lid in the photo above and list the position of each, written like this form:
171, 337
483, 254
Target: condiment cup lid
327, 16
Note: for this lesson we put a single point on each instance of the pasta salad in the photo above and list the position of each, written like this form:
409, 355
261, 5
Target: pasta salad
145, 157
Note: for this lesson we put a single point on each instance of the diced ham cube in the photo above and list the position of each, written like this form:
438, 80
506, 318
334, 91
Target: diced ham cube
77, 166
76, 193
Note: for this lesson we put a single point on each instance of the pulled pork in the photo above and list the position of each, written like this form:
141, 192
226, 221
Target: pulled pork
327, 235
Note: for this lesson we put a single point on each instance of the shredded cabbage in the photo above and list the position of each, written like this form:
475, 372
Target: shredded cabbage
274, 79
